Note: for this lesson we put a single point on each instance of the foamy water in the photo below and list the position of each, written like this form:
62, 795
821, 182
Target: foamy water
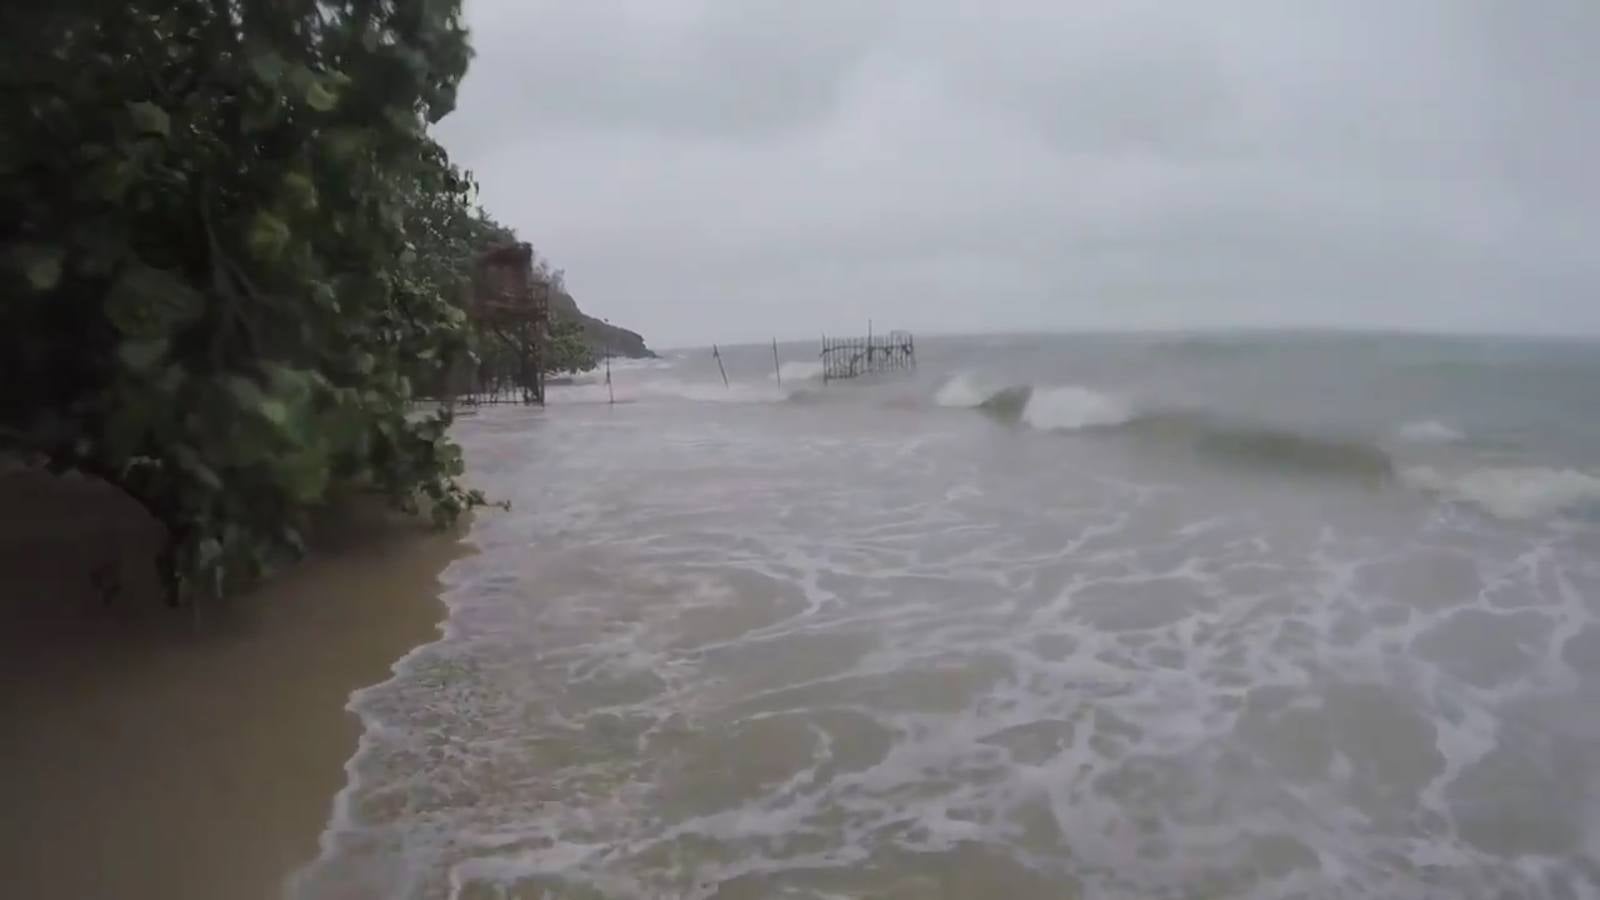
911, 639
1070, 408
1429, 431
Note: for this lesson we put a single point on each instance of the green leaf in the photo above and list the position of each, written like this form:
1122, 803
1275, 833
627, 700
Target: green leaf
148, 302
246, 393
299, 193
268, 67
305, 475
260, 115
312, 88
404, 121
196, 467
442, 105
110, 179
267, 236
320, 98
344, 144
149, 119
141, 355
274, 411
40, 264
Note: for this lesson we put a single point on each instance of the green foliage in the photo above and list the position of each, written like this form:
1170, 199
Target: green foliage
229, 247
567, 350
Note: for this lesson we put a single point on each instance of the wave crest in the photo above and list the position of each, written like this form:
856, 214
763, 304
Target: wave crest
1428, 431
962, 391
800, 370
1528, 492
967, 391
1264, 447
1071, 408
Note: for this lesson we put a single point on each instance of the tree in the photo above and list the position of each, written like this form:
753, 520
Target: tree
567, 350
213, 288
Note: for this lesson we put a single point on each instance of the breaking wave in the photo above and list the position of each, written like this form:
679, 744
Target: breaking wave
1528, 492
1428, 431
799, 370
967, 391
1266, 447
1074, 408
962, 391
1051, 408
1507, 492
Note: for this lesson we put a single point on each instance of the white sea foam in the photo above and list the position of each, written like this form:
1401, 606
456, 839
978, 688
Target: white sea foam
799, 370
962, 391
622, 363
711, 392
633, 387
1512, 493
686, 682
1428, 431
1070, 408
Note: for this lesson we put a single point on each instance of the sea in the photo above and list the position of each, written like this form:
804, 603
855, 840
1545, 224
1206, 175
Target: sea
1253, 615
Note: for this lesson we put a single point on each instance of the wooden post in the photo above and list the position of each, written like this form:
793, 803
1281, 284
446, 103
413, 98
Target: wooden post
717, 355
777, 370
611, 392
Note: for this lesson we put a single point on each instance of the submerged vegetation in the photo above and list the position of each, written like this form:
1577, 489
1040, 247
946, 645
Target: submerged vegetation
232, 256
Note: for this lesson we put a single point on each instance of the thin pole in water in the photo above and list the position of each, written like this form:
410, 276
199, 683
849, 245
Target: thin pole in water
717, 355
777, 370
611, 394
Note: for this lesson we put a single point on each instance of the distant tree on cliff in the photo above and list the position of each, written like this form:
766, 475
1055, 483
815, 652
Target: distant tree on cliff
567, 350
217, 277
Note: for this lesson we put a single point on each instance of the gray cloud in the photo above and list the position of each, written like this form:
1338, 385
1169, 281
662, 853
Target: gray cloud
714, 171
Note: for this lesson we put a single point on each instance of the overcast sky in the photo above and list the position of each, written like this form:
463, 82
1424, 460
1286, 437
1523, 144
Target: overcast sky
746, 168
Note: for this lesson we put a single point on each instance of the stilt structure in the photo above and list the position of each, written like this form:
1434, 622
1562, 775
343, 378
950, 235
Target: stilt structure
510, 310
850, 357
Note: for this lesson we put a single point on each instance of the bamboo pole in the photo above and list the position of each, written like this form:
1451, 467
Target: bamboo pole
717, 355
611, 394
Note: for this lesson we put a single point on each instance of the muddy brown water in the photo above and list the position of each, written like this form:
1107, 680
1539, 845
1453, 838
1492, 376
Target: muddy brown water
150, 754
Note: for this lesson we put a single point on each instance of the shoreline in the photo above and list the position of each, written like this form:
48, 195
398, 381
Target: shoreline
151, 753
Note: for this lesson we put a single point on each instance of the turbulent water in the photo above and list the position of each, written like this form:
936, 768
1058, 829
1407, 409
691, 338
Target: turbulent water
1239, 616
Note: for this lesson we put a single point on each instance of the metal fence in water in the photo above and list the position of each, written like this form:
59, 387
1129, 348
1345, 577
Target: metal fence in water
853, 356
